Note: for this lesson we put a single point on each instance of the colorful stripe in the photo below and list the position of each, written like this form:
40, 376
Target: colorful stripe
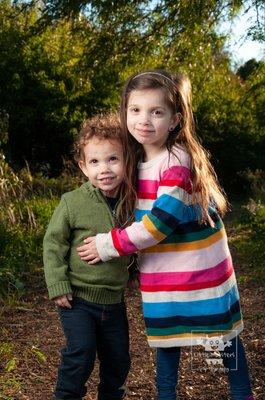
179, 278
210, 331
122, 243
186, 295
197, 320
194, 338
208, 326
191, 308
196, 245
151, 228
193, 260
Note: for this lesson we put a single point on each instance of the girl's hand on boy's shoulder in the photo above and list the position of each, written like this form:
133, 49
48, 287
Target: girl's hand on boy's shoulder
88, 252
64, 300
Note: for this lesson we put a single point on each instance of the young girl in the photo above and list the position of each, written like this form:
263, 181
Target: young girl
187, 280
90, 301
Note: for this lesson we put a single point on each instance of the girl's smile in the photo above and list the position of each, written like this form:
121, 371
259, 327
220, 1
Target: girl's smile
149, 119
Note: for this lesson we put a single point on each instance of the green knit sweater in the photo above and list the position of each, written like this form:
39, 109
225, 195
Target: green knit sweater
81, 213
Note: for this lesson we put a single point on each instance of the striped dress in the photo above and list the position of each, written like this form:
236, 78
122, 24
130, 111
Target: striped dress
187, 280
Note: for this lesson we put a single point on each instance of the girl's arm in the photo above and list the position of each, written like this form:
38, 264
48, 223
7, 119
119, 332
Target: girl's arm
169, 209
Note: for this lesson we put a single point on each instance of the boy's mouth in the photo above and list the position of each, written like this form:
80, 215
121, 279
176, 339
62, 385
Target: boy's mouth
107, 179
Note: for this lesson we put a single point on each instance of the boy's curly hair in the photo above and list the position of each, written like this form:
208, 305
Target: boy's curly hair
108, 127
101, 126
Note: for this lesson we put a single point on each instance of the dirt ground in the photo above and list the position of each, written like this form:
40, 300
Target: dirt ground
31, 338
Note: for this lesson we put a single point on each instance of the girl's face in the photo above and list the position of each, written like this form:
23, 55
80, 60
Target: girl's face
104, 165
149, 119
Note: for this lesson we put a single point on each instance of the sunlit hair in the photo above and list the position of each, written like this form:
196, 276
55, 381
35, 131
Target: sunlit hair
177, 91
108, 127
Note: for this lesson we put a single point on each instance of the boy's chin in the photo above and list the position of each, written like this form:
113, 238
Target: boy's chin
110, 192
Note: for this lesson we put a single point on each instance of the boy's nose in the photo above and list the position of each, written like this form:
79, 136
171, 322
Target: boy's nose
104, 168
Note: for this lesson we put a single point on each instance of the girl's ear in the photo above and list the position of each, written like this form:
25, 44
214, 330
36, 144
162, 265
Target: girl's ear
82, 166
176, 120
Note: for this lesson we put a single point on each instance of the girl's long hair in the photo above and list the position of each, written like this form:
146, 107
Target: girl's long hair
108, 127
177, 89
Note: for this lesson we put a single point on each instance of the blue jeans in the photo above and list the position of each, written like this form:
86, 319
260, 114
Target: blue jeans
236, 367
92, 329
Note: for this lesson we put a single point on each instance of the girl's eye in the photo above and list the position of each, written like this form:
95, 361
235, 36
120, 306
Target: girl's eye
113, 158
94, 161
134, 109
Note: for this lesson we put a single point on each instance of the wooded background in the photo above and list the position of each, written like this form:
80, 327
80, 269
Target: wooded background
62, 61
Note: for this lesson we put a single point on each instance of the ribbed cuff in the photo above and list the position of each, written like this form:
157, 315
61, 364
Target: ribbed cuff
59, 289
101, 246
105, 247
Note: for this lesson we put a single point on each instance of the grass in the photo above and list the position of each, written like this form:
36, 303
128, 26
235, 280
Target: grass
246, 230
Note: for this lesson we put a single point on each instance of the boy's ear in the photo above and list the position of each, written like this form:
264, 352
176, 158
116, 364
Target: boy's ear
82, 166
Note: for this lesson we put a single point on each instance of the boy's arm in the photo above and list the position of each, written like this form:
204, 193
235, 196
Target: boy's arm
55, 248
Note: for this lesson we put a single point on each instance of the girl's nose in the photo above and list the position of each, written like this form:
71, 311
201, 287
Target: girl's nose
144, 119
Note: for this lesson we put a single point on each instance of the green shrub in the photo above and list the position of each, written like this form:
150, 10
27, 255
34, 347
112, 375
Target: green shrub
26, 204
21, 235
257, 219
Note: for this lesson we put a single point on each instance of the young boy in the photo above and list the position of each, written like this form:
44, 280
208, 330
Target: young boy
90, 298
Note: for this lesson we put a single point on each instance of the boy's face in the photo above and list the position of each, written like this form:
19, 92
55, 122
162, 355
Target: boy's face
104, 165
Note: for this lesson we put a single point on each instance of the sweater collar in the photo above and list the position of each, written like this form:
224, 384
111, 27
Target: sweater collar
92, 191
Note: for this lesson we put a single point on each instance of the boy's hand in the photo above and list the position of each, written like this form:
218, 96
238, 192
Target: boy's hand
63, 301
88, 252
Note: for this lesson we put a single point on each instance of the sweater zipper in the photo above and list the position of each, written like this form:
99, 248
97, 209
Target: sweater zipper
113, 214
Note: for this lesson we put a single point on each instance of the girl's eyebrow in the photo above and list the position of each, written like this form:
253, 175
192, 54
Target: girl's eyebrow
136, 105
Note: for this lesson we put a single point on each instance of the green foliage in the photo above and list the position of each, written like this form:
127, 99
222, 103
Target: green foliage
248, 68
21, 234
11, 365
7, 356
41, 87
27, 203
69, 59
3, 127
256, 181
41, 357
248, 236
256, 212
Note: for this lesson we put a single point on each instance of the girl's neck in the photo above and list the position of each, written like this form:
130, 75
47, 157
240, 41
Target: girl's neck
151, 152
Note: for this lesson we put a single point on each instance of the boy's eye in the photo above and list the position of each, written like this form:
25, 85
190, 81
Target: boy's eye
157, 112
93, 161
